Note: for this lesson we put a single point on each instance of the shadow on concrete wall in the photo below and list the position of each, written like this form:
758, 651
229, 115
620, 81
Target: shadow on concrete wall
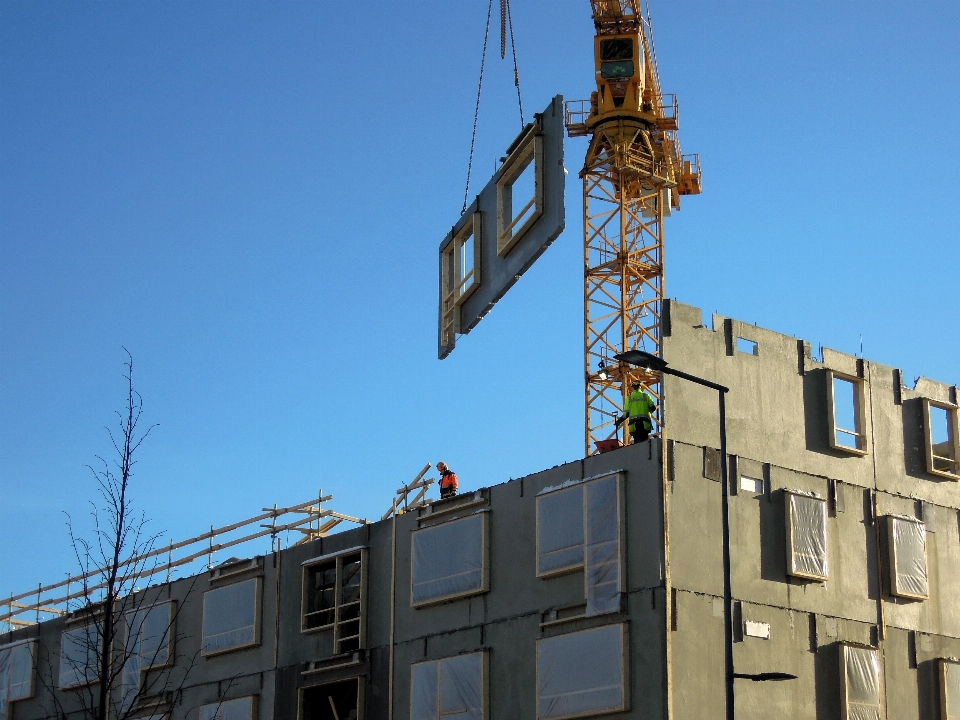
773, 547
815, 412
928, 690
870, 538
826, 668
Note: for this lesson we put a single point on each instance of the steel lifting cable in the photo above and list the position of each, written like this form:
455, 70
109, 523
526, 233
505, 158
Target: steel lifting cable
506, 23
476, 111
507, 18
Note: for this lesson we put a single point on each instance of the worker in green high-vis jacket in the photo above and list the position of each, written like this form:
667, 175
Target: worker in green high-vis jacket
638, 409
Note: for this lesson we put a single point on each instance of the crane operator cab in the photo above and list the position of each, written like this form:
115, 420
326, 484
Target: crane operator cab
620, 73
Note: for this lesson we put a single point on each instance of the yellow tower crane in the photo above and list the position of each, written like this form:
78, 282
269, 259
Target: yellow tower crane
633, 177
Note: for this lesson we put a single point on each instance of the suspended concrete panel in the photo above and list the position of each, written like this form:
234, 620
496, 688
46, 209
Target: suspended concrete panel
505, 229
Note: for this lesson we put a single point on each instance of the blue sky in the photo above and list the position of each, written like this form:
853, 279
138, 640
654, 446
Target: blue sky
250, 196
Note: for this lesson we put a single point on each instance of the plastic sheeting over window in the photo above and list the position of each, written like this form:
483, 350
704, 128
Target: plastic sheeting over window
16, 673
950, 689
448, 560
602, 572
230, 616
806, 536
861, 676
148, 645
581, 673
578, 527
79, 653
239, 709
448, 688
560, 530
908, 555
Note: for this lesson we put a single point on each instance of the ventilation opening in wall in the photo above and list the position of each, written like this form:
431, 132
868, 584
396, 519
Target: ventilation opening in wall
334, 701
747, 347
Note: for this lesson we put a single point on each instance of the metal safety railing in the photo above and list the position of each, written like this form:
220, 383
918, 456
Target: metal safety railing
54, 600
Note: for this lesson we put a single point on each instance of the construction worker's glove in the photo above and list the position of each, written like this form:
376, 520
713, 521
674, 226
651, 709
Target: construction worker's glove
620, 420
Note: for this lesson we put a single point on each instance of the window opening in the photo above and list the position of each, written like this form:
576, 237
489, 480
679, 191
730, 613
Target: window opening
860, 672
908, 557
617, 58
520, 192
582, 673
341, 700
846, 400
17, 662
950, 689
579, 527
448, 688
333, 598
244, 708
459, 274
602, 568
231, 617
149, 634
747, 347
79, 653
943, 445
449, 560
806, 536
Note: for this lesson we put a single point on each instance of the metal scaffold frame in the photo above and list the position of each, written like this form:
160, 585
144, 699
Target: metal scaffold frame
55, 600
317, 521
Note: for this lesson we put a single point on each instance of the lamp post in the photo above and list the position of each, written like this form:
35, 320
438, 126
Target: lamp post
652, 362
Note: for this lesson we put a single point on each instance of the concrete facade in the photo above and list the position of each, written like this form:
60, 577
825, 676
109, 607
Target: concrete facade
667, 568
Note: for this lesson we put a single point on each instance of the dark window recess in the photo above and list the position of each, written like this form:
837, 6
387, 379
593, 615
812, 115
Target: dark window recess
617, 69
321, 595
616, 49
334, 591
711, 464
336, 701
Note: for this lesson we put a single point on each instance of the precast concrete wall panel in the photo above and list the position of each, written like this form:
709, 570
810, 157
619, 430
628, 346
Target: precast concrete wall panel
501, 266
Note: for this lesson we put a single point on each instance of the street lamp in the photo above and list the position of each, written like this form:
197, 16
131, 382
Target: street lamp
657, 364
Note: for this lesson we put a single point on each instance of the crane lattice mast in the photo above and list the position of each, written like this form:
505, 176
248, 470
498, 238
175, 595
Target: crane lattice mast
633, 177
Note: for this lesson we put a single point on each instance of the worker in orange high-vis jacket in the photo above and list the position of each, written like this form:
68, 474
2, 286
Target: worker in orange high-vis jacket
448, 481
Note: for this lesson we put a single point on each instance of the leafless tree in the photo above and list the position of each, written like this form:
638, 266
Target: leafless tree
117, 632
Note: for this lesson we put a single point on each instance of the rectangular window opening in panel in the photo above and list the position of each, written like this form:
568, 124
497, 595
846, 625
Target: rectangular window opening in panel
907, 550
846, 413
149, 637
449, 560
582, 673
244, 708
942, 441
453, 687
79, 655
860, 683
17, 672
579, 528
949, 689
520, 192
747, 347
341, 700
231, 617
334, 596
449, 307
806, 517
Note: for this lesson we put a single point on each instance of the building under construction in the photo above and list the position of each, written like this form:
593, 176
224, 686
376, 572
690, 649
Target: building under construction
600, 587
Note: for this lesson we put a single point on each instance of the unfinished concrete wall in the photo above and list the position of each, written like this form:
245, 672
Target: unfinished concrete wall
505, 621
778, 430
